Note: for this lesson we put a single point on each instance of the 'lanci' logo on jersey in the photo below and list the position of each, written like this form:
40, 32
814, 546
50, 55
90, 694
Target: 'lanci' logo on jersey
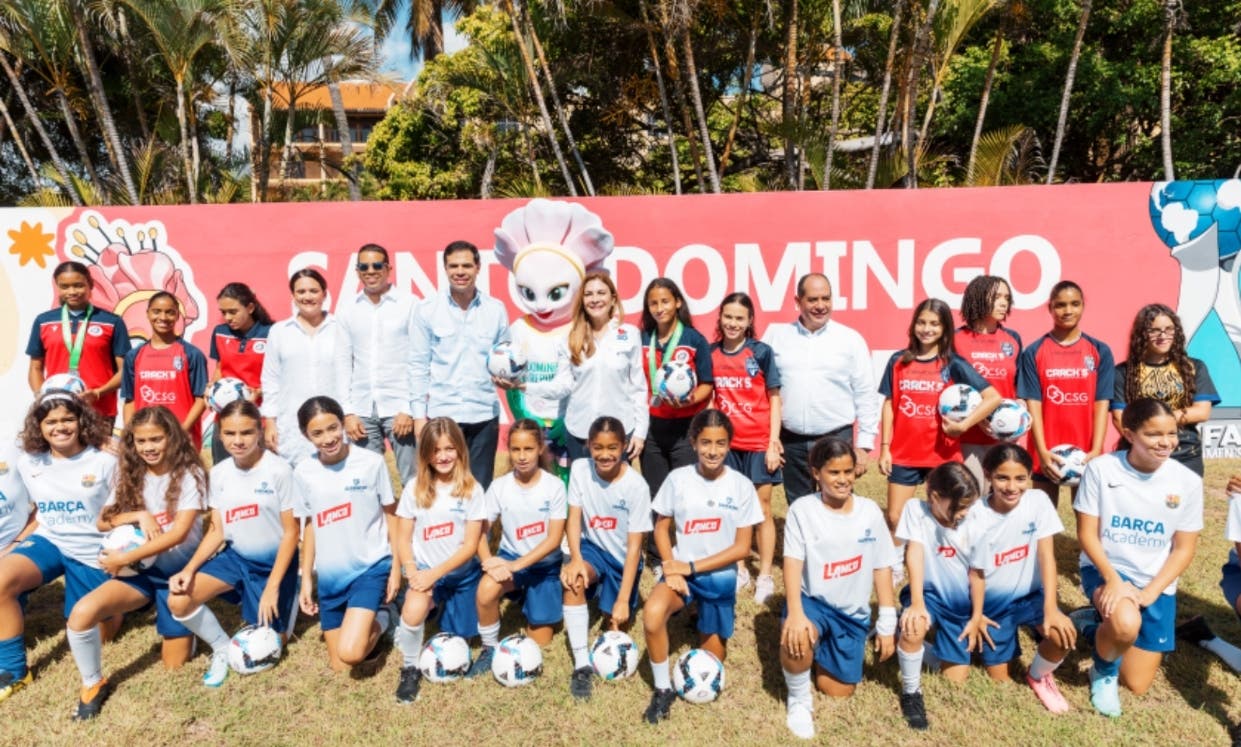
334, 514
437, 531
531, 530
606, 523
841, 568
1014, 555
241, 513
701, 526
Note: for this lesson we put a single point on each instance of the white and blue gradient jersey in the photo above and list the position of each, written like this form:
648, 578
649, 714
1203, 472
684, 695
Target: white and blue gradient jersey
1007, 551
526, 512
611, 511
1233, 531
440, 529
706, 513
344, 503
1139, 512
155, 499
14, 498
250, 502
840, 552
945, 552
70, 494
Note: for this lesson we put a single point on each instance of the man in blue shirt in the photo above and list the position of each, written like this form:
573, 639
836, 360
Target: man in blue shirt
453, 332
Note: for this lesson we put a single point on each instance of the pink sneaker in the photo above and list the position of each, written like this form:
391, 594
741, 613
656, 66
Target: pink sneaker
1048, 694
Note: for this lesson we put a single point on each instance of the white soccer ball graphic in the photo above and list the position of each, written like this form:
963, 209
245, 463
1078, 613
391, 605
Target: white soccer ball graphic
614, 655
445, 658
517, 661
958, 401
698, 676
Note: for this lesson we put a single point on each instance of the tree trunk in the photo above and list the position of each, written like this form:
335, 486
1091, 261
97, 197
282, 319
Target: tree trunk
911, 95
286, 153
71, 123
678, 90
893, 37
997, 49
663, 96
551, 88
94, 84
838, 67
747, 76
345, 137
1063, 118
265, 142
1165, 95
691, 73
186, 163
435, 45
18, 142
231, 131
489, 171
533, 79
788, 100
33, 117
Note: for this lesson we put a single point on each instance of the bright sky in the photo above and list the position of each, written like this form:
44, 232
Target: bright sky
395, 49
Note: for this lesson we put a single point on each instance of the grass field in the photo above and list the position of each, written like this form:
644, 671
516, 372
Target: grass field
1194, 700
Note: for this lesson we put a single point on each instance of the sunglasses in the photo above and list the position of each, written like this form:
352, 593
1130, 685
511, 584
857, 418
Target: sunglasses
364, 266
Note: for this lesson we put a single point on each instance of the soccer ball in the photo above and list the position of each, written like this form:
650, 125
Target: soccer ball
254, 649
1183, 211
445, 658
124, 538
957, 401
518, 661
1010, 420
675, 381
226, 391
698, 676
64, 382
614, 655
506, 361
1074, 463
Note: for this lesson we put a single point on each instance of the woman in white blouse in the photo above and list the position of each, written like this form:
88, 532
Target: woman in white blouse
298, 365
604, 375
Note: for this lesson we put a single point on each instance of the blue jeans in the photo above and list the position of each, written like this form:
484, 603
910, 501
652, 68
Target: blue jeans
378, 429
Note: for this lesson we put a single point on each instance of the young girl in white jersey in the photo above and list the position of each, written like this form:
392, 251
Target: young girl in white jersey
344, 497
711, 510
1196, 630
530, 504
1139, 514
439, 522
836, 551
162, 488
609, 516
1015, 561
251, 544
18, 517
940, 535
68, 479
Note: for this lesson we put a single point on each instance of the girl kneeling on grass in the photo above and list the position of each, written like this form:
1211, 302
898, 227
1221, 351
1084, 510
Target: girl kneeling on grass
1139, 514
162, 488
345, 498
1015, 562
1195, 629
836, 551
439, 521
530, 504
251, 546
609, 516
713, 510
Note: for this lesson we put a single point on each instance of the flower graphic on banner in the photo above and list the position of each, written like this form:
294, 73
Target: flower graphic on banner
129, 266
30, 244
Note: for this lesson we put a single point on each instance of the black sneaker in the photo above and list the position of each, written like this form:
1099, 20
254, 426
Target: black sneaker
581, 683
1194, 630
913, 708
482, 664
90, 703
407, 688
661, 702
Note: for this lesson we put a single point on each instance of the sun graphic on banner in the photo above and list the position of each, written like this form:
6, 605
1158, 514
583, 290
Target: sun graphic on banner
30, 244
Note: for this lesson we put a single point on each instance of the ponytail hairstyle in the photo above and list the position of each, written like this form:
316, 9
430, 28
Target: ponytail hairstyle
829, 448
710, 418
1003, 453
241, 293
179, 455
954, 484
92, 429
316, 406
74, 266
531, 426
428, 441
607, 424
307, 272
1142, 409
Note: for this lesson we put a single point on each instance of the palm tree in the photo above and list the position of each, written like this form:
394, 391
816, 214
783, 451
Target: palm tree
837, 59
747, 75
788, 94
1013, 9
1063, 118
32, 116
911, 94
955, 21
425, 23
653, 50
881, 119
1173, 19
18, 142
691, 74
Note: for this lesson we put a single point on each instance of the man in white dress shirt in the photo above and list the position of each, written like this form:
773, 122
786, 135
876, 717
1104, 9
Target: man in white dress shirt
827, 384
373, 377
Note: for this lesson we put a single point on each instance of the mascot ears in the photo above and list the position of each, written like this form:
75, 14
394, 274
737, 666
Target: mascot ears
566, 227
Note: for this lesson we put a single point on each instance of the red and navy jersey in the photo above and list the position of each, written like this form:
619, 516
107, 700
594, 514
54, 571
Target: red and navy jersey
692, 348
994, 356
240, 356
914, 388
174, 377
106, 340
1068, 380
742, 380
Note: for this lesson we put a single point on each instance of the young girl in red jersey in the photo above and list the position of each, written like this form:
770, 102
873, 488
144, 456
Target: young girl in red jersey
747, 390
914, 437
167, 370
238, 345
1066, 378
80, 339
992, 349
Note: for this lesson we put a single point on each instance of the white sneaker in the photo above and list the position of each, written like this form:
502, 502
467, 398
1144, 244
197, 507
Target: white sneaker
743, 577
800, 720
763, 589
217, 672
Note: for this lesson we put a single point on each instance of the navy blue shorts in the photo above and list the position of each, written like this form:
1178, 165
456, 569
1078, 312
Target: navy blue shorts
1230, 580
367, 592
948, 623
248, 580
538, 588
605, 590
456, 595
841, 647
716, 595
1158, 631
753, 464
153, 585
1026, 612
80, 579
908, 476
